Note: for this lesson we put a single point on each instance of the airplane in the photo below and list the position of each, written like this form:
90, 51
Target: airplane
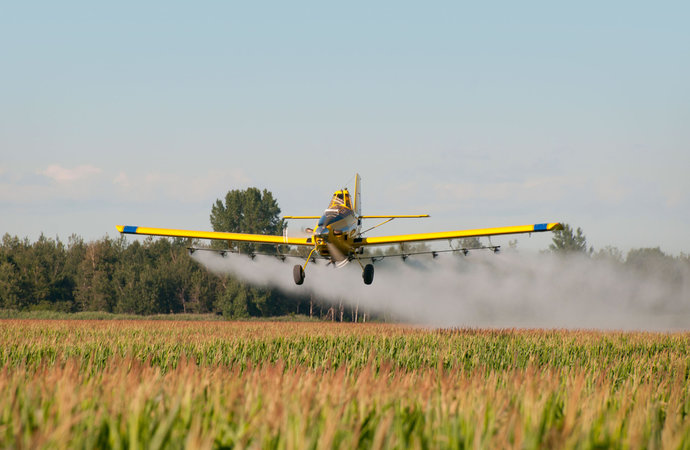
338, 235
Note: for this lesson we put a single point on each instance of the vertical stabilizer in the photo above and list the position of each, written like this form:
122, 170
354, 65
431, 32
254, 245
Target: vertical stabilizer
357, 207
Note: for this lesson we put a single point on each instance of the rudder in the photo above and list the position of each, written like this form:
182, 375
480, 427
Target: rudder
357, 206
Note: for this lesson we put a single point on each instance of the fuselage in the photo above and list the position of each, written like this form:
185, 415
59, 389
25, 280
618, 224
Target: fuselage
337, 228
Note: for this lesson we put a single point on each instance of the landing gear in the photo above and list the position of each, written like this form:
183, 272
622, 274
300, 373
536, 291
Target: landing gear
298, 271
298, 274
368, 273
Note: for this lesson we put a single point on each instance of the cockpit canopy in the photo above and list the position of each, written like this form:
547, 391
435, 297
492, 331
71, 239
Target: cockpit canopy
340, 199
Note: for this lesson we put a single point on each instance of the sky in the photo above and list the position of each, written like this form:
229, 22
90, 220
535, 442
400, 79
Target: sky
481, 114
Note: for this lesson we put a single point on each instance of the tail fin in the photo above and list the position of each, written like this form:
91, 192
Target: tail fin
357, 206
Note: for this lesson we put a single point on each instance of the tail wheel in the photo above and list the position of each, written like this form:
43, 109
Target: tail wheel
368, 274
298, 274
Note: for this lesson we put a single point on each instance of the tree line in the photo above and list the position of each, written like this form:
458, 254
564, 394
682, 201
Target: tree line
156, 276
153, 276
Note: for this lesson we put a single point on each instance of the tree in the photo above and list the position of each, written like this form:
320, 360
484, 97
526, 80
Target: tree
567, 241
248, 211
95, 289
157, 277
14, 286
10, 286
233, 300
257, 212
609, 253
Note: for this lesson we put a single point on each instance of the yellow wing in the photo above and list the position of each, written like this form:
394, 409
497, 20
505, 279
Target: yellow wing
238, 237
383, 240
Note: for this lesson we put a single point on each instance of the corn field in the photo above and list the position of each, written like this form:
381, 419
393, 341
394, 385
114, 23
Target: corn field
139, 384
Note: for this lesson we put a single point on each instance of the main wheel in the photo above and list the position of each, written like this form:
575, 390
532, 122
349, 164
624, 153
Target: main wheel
368, 273
298, 274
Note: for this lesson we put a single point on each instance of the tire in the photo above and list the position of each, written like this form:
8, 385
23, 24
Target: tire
368, 274
298, 274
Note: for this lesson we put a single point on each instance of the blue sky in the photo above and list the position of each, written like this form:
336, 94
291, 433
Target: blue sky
482, 115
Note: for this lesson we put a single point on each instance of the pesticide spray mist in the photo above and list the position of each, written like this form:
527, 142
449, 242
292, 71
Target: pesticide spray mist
483, 289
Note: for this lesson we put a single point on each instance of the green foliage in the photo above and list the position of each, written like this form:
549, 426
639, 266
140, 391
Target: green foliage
159, 277
670, 269
609, 253
10, 286
234, 300
107, 275
102, 315
95, 289
39, 275
153, 276
644, 257
256, 212
567, 241
248, 211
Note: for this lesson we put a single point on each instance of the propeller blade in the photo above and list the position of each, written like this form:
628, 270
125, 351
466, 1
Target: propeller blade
337, 255
301, 233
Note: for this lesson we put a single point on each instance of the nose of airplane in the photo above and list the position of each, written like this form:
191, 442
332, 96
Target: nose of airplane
321, 232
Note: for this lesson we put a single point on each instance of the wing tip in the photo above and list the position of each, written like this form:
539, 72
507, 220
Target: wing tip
126, 229
554, 226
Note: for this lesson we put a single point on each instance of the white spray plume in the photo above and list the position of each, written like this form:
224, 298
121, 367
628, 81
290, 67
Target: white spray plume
483, 289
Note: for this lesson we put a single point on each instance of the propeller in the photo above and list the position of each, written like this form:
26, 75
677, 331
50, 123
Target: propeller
338, 256
298, 233
302, 232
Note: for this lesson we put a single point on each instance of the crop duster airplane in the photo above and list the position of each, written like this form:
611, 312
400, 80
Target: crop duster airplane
338, 236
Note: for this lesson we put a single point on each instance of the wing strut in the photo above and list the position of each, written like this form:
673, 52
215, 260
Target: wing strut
376, 226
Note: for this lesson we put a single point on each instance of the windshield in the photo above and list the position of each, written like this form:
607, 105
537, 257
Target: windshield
340, 199
329, 217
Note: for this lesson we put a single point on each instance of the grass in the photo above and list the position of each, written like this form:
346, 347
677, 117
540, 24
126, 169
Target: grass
156, 384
